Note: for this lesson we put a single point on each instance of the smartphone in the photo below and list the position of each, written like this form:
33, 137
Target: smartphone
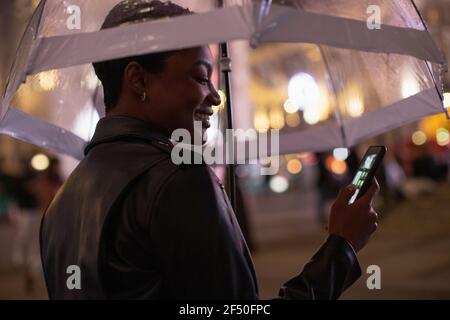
366, 171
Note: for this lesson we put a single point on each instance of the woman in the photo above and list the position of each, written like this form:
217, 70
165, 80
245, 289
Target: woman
129, 223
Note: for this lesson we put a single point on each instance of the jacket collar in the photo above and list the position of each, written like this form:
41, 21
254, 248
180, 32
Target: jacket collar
116, 128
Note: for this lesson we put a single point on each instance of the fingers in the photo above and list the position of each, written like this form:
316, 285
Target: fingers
371, 192
374, 228
345, 195
373, 216
373, 221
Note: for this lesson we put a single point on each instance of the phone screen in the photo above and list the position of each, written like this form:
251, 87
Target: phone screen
364, 172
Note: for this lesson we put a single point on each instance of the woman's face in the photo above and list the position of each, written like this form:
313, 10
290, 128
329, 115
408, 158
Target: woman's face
183, 92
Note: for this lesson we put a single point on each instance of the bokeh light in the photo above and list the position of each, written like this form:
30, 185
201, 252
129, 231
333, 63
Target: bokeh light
294, 166
303, 90
311, 115
290, 106
276, 119
47, 80
279, 184
341, 153
447, 99
336, 166
442, 137
40, 162
293, 119
410, 86
419, 138
261, 121
355, 107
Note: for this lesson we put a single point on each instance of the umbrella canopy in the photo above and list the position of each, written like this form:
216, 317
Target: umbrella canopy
349, 82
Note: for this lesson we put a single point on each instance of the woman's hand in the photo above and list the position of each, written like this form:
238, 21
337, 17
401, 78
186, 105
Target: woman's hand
355, 222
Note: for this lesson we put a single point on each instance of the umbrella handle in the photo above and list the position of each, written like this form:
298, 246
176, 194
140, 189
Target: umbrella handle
225, 69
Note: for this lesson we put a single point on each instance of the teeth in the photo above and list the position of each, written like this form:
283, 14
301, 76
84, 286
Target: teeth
201, 116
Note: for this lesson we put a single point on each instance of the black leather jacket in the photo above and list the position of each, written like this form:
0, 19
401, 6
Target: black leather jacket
140, 227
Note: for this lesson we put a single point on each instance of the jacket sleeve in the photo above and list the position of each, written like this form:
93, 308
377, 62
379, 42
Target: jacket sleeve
331, 271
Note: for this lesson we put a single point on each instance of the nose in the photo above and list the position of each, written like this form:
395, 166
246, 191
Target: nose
214, 97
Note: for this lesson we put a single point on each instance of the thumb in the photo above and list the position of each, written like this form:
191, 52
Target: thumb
371, 192
345, 195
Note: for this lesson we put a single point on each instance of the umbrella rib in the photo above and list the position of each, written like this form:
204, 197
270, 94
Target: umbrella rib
439, 90
16, 123
337, 112
15, 78
336, 108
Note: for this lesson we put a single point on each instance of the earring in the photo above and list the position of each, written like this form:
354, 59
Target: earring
144, 97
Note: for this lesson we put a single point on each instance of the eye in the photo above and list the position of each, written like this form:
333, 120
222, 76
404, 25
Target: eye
202, 80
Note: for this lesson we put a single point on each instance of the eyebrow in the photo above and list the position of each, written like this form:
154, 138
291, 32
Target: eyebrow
205, 64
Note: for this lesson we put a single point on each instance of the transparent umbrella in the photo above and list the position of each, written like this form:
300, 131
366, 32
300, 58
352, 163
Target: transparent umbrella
349, 75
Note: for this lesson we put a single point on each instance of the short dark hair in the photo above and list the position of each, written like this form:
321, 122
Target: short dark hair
111, 72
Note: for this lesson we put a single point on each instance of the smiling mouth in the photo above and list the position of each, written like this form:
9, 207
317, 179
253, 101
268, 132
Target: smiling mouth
203, 117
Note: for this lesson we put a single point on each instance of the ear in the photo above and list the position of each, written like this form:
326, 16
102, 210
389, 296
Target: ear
135, 78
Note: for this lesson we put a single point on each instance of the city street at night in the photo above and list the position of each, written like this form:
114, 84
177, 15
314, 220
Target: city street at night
224, 150
409, 247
